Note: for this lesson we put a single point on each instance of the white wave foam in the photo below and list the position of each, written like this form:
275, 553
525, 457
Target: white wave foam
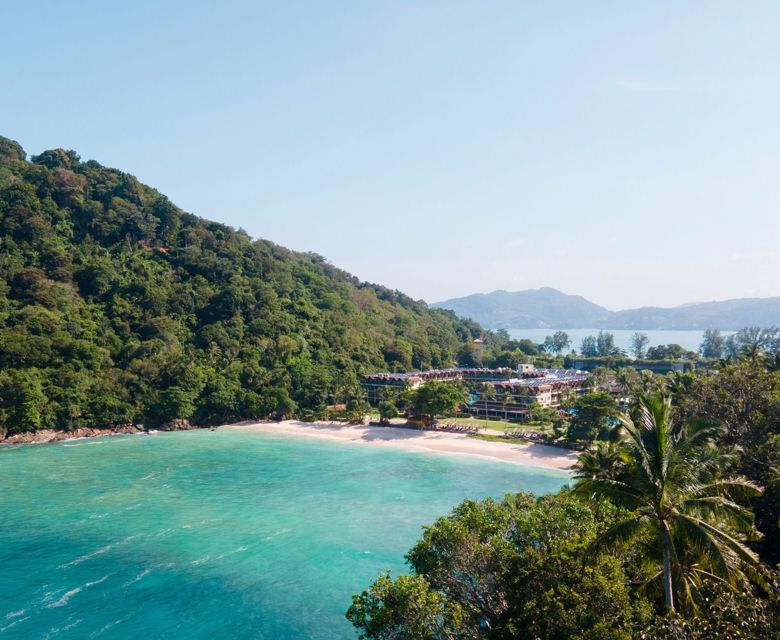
14, 623
82, 444
98, 581
281, 532
57, 630
240, 549
15, 614
106, 627
138, 578
98, 552
64, 599
87, 556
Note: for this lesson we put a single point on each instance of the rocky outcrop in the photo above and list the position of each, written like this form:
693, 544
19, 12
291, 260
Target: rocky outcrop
179, 424
50, 435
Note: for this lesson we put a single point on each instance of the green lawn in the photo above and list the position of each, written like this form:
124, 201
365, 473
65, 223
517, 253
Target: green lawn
494, 425
500, 425
488, 437
496, 438
538, 426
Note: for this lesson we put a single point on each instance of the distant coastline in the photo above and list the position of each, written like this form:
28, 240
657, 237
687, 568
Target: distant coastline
688, 338
548, 308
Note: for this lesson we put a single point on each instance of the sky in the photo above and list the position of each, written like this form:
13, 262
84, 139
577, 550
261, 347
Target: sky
627, 152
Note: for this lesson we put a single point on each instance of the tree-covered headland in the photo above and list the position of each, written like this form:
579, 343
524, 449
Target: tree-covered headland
670, 530
118, 307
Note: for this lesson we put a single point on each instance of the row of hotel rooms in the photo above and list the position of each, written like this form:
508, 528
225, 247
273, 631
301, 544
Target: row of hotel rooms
496, 393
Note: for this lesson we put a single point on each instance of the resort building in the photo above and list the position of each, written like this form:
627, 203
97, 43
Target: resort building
495, 393
511, 399
374, 383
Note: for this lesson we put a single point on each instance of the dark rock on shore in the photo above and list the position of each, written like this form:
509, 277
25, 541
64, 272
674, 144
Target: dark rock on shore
50, 435
179, 424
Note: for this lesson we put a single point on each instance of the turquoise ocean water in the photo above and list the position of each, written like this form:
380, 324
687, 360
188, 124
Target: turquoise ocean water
222, 534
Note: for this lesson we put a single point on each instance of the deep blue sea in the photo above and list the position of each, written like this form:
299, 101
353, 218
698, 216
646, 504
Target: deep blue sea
223, 534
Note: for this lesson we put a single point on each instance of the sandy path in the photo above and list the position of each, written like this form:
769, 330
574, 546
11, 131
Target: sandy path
538, 455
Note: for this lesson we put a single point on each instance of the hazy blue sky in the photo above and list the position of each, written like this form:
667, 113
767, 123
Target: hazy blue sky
625, 151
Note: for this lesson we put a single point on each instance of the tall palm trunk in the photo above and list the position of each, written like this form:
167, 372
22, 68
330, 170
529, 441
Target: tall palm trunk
668, 482
666, 550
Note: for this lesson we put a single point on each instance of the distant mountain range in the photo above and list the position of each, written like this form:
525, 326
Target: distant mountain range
548, 307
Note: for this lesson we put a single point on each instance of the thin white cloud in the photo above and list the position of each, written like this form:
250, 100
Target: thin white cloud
753, 256
516, 243
645, 86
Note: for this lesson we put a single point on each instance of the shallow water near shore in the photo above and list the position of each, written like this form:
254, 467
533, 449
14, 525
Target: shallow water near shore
221, 534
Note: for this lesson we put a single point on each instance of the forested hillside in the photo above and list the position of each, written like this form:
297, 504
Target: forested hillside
116, 306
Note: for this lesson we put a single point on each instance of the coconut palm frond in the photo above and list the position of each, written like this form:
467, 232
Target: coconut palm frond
614, 490
699, 542
675, 481
618, 535
720, 510
745, 553
735, 488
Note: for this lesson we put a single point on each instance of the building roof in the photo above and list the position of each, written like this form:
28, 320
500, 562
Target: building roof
536, 378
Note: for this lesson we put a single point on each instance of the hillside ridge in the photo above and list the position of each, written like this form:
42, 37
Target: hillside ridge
549, 308
118, 307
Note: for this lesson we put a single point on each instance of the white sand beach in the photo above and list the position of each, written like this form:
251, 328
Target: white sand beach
414, 440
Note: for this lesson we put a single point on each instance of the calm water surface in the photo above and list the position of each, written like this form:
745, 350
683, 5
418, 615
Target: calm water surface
213, 535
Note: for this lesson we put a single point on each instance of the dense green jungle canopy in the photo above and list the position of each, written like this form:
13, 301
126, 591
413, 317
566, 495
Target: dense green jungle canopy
116, 306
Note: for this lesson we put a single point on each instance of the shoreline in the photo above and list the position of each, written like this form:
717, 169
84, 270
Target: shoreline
397, 437
441, 442
43, 436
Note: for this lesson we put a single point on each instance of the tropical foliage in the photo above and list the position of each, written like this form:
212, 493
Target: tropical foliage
684, 511
508, 569
656, 541
117, 306
433, 399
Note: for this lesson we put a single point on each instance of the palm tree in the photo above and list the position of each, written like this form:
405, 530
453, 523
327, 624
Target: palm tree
671, 478
603, 460
773, 364
627, 379
507, 400
488, 395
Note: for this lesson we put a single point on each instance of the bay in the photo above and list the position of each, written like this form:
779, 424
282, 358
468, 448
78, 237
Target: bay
222, 534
